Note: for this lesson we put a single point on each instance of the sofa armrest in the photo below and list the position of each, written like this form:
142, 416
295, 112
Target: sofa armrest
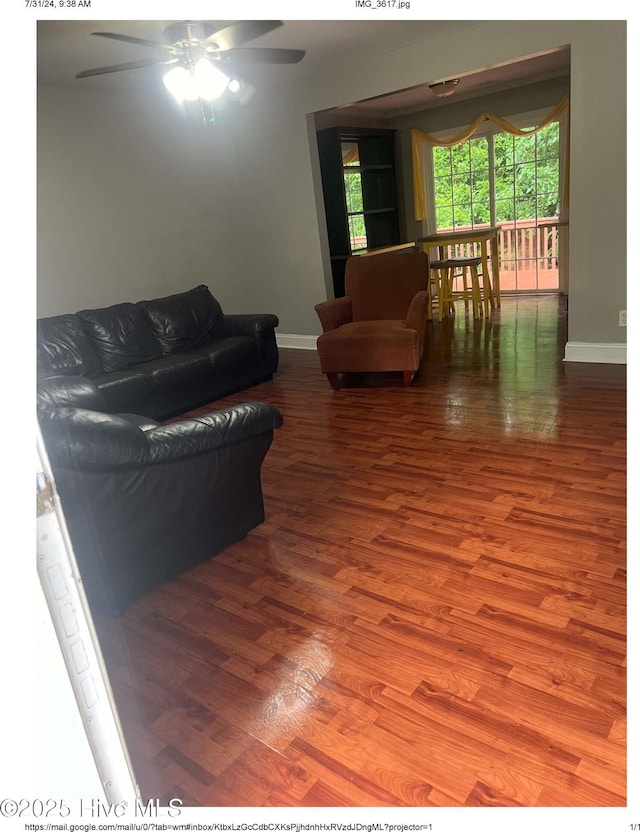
417, 312
213, 431
249, 324
69, 391
88, 440
334, 313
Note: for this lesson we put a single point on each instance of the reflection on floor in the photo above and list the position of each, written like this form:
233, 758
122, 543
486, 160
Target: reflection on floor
433, 613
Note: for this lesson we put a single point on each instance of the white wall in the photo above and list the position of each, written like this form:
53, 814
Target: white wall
245, 220
597, 275
277, 204
132, 202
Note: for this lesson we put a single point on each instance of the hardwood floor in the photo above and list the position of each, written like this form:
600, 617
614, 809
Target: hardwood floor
433, 613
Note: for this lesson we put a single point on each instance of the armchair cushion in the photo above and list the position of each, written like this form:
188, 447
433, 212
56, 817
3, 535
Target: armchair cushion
376, 346
381, 286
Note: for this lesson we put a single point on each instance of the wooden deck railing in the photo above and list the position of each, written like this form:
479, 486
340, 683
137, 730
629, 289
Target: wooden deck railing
519, 241
528, 253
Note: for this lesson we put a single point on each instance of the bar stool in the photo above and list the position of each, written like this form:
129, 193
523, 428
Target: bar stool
433, 291
440, 288
459, 278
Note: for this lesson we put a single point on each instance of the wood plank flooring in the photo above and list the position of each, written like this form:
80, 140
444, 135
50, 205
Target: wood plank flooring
433, 613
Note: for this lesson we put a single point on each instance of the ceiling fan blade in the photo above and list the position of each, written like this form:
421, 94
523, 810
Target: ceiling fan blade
130, 39
242, 32
104, 70
256, 55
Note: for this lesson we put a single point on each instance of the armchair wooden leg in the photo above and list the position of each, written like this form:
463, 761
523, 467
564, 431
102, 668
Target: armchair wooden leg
408, 377
333, 380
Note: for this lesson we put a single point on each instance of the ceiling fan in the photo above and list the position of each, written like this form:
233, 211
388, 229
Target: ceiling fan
204, 62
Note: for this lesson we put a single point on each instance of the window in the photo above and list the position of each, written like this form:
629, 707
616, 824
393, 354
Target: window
511, 181
353, 194
461, 184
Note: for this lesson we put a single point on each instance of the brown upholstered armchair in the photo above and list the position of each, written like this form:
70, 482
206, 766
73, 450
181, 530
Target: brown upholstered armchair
380, 325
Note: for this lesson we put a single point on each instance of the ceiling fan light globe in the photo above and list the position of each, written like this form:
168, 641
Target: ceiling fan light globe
210, 82
240, 91
180, 83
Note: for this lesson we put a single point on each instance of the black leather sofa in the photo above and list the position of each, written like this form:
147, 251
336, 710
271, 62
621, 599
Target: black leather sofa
160, 357
143, 502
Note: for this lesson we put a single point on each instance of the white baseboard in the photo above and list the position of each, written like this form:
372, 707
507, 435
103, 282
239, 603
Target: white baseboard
296, 342
574, 350
595, 353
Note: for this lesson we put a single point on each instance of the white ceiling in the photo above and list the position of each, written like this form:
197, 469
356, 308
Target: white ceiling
65, 47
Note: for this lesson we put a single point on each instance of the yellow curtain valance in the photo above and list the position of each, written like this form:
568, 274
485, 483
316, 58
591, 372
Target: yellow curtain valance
420, 140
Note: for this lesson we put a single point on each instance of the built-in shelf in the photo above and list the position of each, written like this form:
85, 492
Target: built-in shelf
375, 153
356, 168
371, 211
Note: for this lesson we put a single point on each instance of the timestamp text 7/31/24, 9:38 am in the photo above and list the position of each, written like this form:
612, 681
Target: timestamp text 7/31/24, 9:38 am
57, 4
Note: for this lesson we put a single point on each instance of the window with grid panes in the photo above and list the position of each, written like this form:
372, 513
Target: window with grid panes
511, 181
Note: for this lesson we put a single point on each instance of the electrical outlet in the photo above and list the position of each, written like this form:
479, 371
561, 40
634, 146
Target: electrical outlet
622, 317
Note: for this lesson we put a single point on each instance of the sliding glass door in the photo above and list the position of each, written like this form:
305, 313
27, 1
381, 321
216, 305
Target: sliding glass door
513, 182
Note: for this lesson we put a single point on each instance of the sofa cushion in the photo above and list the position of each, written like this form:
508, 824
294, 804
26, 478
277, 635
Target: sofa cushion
120, 336
175, 371
182, 321
228, 353
64, 348
119, 389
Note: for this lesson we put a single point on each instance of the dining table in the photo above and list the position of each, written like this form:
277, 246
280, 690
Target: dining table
487, 239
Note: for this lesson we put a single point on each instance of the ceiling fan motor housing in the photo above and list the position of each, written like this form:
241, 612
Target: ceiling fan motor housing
188, 32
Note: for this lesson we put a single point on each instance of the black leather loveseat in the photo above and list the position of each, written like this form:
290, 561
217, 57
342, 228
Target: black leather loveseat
160, 357
143, 502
